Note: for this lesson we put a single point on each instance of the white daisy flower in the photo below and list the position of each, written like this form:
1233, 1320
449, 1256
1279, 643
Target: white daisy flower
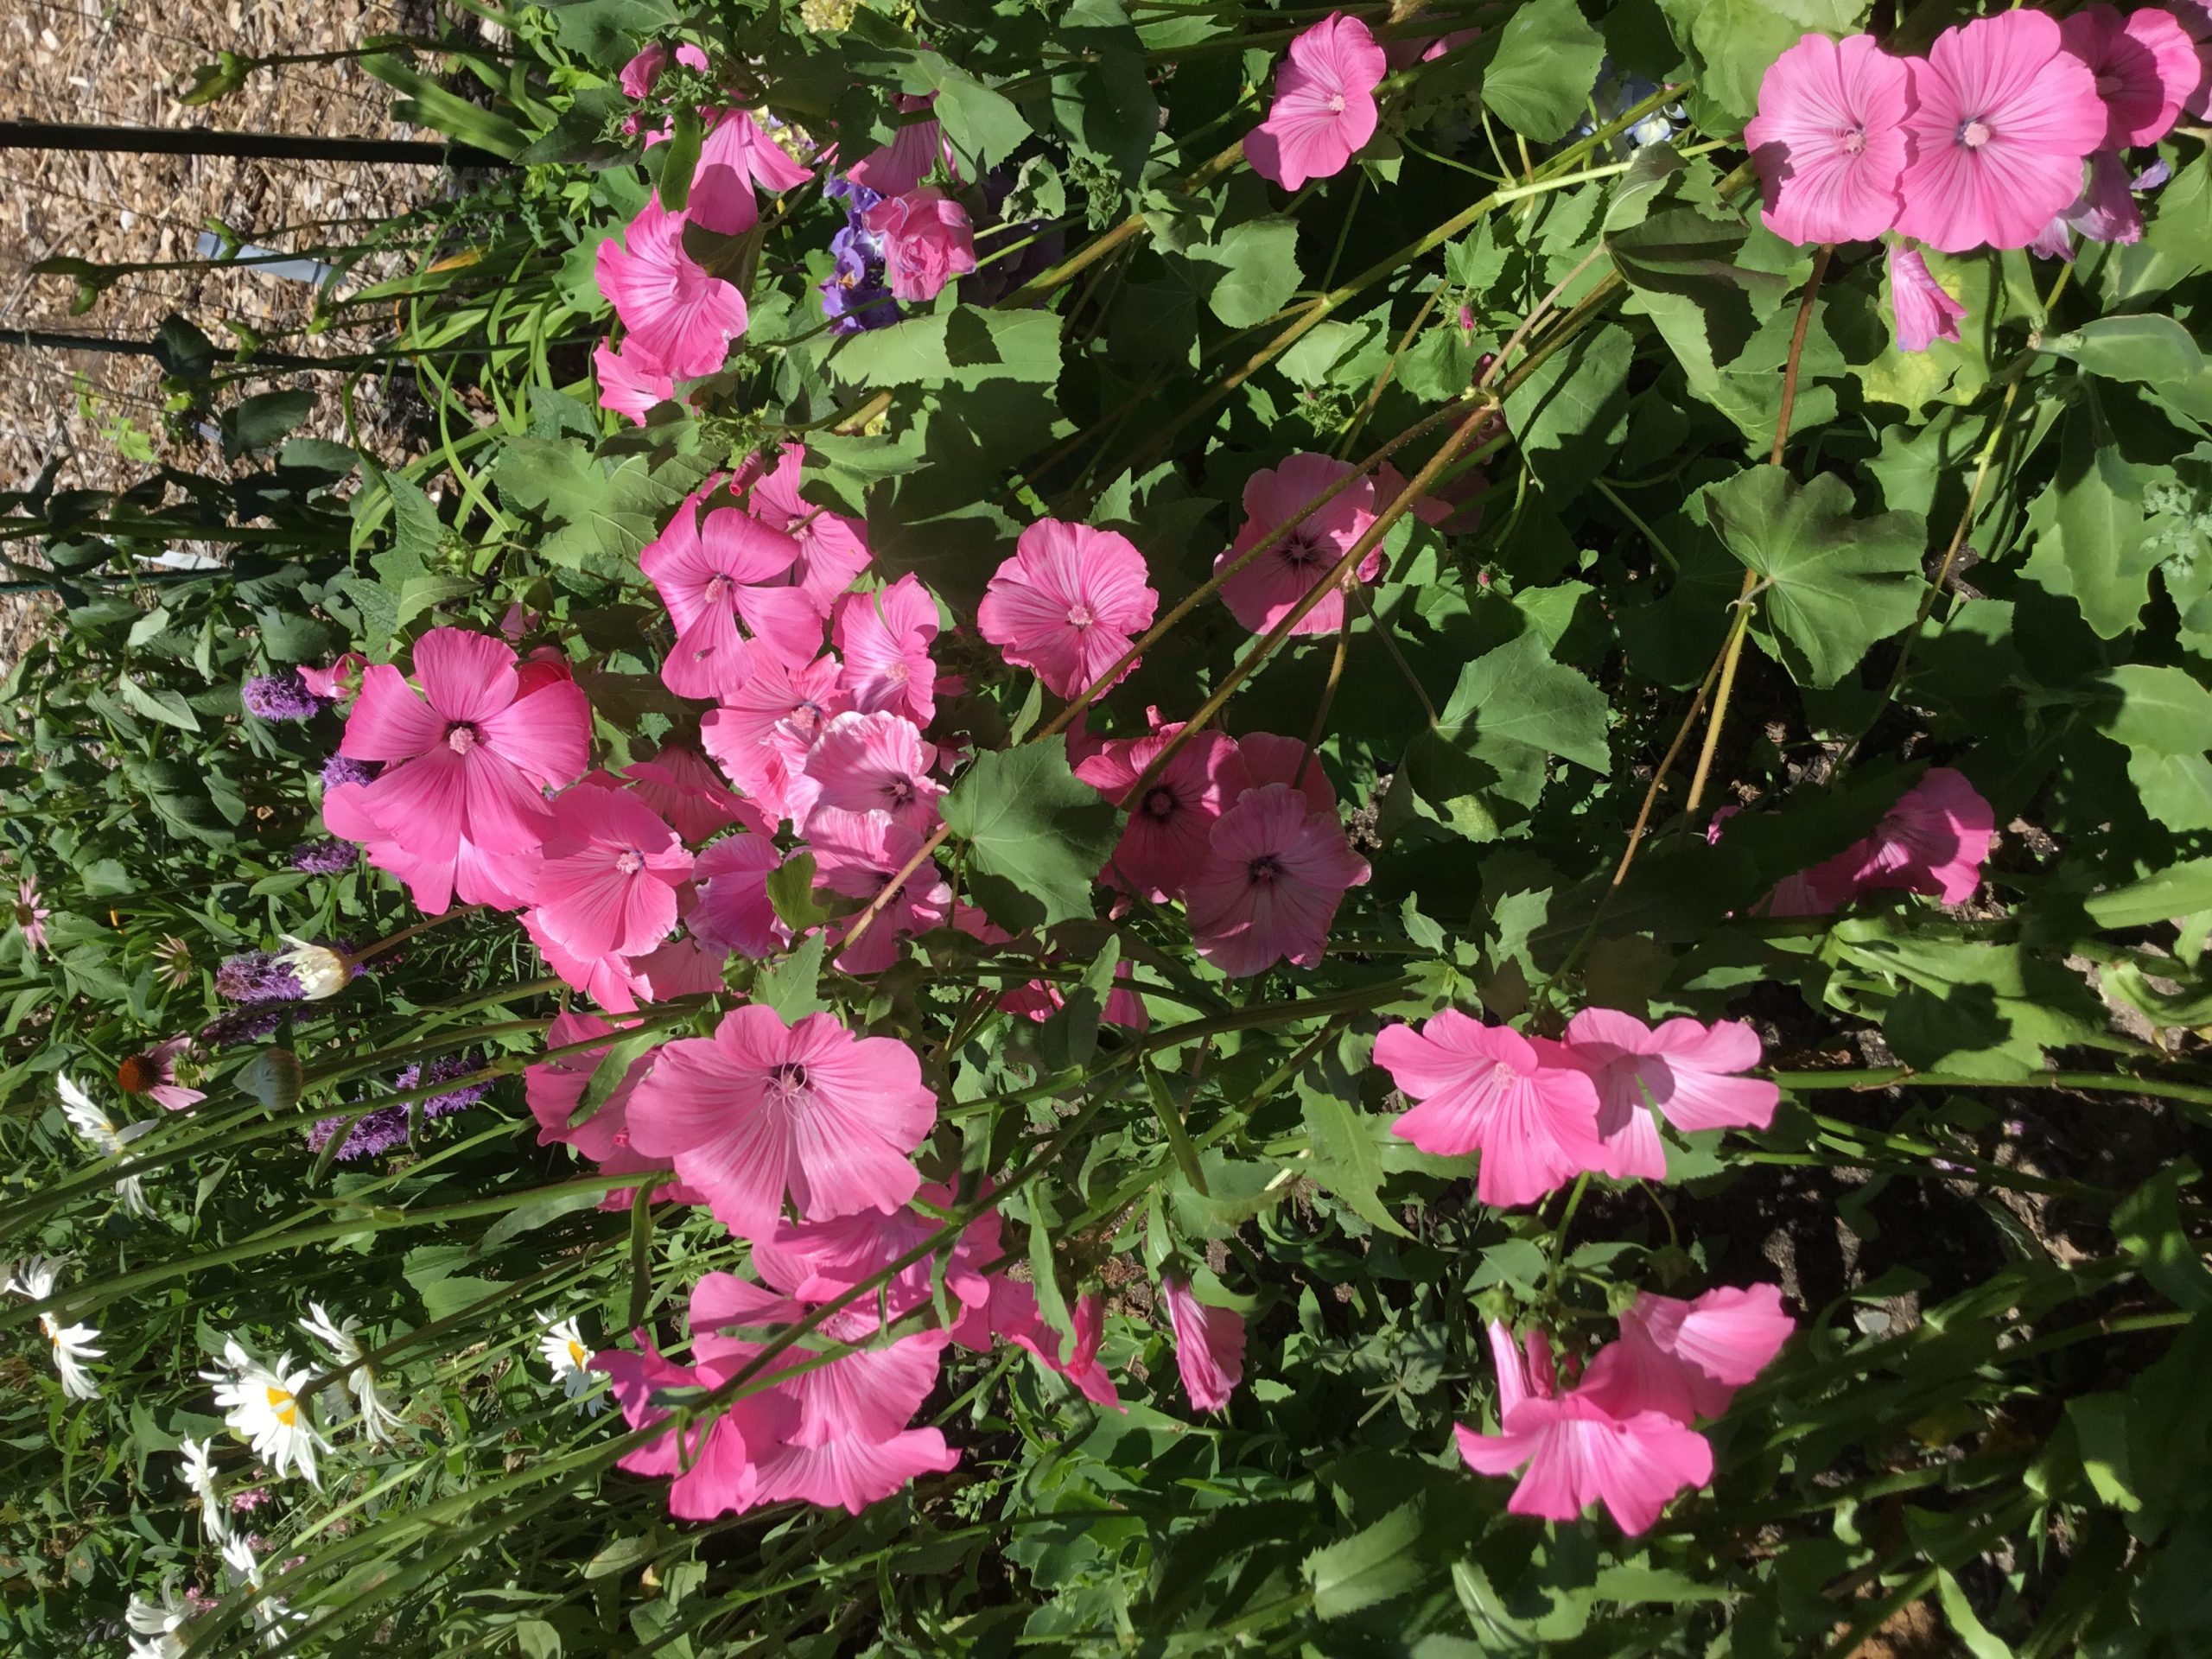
157, 1623
199, 1475
263, 1404
72, 1343
94, 1125
270, 1614
378, 1419
565, 1351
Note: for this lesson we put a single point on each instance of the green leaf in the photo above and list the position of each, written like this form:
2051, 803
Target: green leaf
1571, 415
791, 891
1370, 1567
542, 1212
2147, 348
1547, 61
260, 420
2099, 1424
1838, 584
982, 127
159, 702
2091, 540
1344, 1160
2184, 890
2161, 710
274, 1077
1044, 1274
1259, 269
1037, 834
614, 1066
679, 159
2148, 1226
794, 987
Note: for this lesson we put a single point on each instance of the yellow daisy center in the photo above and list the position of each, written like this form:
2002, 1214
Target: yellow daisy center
281, 1402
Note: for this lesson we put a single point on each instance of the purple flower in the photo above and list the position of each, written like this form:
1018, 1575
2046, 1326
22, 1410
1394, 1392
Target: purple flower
385, 1127
325, 855
380, 1131
445, 1069
247, 1025
856, 297
344, 769
256, 976
282, 696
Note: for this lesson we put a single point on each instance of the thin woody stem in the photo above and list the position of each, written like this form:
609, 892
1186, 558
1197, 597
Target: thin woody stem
1798, 352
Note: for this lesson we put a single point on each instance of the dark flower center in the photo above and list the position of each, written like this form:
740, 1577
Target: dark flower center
900, 790
461, 737
137, 1075
1161, 803
629, 861
26, 914
1300, 547
1264, 870
789, 1076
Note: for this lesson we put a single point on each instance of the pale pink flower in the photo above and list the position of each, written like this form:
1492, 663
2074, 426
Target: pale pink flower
1266, 590
1067, 604
609, 886
735, 157
468, 759
1011, 1315
734, 912
764, 731
874, 763
1274, 873
1629, 1456
607, 980
1934, 841
1209, 1344
338, 682
914, 152
2002, 116
885, 639
1688, 1070
928, 239
832, 547
1520, 1101
1828, 139
762, 1108
1324, 110
677, 315
711, 570
1923, 311
856, 853
1687, 1358
555, 1089
31, 914
630, 385
2145, 64
680, 786
1169, 832
153, 1074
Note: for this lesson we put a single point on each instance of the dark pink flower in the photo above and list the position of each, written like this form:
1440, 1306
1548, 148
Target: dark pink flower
1209, 1344
555, 1089
2106, 210
1067, 604
638, 75
734, 912
832, 547
629, 385
735, 157
1688, 1360
714, 1471
1590, 1445
762, 1110
679, 317
2002, 117
338, 682
1828, 139
1266, 590
1169, 832
1264, 757
885, 639
1688, 1070
1274, 873
468, 759
1324, 104
1520, 1101
914, 152
874, 763
2145, 64
612, 869
710, 571
928, 239
764, 731
1924, 312
680, 786
607, 980
1934, 841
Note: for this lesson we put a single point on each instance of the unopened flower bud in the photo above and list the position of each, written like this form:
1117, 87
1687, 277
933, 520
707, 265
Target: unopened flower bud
321, 970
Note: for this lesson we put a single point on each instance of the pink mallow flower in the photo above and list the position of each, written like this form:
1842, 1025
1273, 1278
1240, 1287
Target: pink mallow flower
555, 1089
711, 569
338, 682
1209, 1344
885, 639
1267, 589
678, 784
734, 912
638, 75
915, 151
1067, 604
735, 157
1169, 835
832, 547
2145, 64
1520, 1101
762, 1110
2106, 210
1686, 1070
2002, 117
679, 317
928, 239
608, 885
874, 763
1593, 1444
764, 731
466, 761
1934, 841
1923, 311
1828, 140
856, 853
630, 385
1687, 1358
1274, 873
1324, 105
